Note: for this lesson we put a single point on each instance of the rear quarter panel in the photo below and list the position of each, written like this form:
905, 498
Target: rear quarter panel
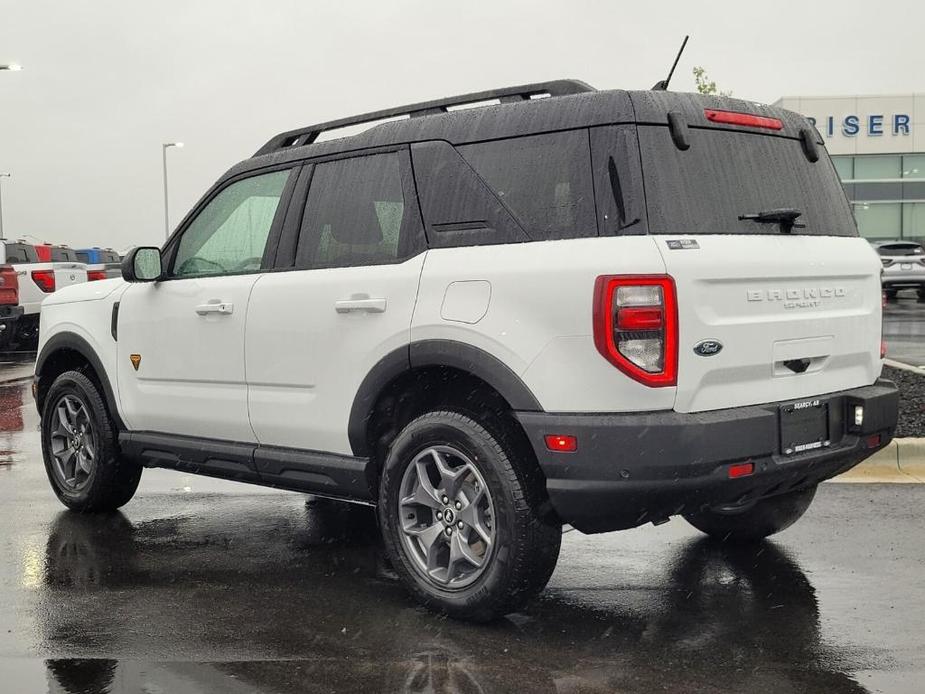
538, 317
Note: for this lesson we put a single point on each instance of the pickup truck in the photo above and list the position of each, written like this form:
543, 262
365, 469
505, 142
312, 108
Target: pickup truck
36, 281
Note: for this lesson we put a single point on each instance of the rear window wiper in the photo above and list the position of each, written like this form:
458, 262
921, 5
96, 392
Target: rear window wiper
785, 216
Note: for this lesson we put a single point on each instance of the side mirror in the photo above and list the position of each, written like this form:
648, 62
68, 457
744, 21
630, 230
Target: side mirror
142, 264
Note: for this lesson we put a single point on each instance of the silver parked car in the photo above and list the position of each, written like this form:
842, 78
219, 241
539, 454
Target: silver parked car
903, 267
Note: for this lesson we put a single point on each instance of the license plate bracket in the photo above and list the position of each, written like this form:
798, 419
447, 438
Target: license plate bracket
804, 426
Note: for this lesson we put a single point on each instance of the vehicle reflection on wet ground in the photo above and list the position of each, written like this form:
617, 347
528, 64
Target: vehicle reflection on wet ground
205, 586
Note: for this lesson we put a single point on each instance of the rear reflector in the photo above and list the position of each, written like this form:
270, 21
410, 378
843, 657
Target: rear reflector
745, 119
741, 470
882, 348
561, 443
873, 441
45, 280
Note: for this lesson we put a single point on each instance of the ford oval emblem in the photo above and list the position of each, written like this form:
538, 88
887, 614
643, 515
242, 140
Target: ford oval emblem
707, 348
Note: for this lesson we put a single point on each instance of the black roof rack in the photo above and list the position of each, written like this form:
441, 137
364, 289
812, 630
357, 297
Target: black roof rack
306, 136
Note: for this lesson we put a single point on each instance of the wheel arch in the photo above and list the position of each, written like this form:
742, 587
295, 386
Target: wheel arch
419, 357
64, 352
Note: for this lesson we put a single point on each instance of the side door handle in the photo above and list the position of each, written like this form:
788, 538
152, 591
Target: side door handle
215, 306
360, 303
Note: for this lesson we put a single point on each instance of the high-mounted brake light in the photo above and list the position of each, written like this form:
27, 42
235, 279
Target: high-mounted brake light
45, 280
745, 119
636, 326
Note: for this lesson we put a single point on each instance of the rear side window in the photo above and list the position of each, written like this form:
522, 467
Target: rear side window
63, 255
21, 253
544, 180
725, 174
356, 214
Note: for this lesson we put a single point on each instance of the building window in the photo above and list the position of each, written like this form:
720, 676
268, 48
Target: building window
845, 167
914, 166
874, 167
914, 220
879, 220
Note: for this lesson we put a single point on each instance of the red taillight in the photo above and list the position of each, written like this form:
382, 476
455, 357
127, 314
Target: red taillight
882, 348
746, 119
96, 275
636, 326
45, 279
741, 470
561, 443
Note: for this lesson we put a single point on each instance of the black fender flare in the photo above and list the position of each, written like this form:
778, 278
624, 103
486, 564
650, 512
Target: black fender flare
75, 343
450, 353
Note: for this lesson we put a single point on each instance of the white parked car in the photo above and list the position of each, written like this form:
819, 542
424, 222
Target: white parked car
903, 267
599, 308
36, 281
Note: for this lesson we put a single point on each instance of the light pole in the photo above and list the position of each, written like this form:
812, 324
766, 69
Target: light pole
164, 148
12, 67
2, 176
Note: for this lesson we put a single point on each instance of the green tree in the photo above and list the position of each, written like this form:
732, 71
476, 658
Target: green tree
704, 84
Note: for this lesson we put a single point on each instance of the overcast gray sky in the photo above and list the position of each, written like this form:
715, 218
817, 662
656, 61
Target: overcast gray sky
107, 81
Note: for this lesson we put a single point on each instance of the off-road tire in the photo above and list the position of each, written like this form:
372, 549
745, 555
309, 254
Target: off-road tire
114, 479
528, 534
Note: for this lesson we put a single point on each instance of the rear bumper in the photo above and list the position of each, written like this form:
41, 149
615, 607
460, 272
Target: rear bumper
631, 469
9, 314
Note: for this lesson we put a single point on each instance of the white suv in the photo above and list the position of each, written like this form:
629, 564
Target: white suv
598, 308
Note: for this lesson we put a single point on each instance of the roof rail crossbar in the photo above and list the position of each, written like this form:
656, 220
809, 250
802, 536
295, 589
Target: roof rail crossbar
306, 136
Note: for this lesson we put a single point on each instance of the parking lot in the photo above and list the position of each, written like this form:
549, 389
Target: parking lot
205, 586
904, 329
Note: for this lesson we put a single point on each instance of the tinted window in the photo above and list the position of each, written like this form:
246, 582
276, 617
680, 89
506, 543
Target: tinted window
63, 255
545, 180
704, 189
356, 214
110, 257
21, 253
83, 257
230, 234
901, 249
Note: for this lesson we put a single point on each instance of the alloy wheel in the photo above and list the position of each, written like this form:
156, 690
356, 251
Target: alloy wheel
73, 443
447, 517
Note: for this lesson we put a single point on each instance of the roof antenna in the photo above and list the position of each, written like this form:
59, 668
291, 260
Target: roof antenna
663, 84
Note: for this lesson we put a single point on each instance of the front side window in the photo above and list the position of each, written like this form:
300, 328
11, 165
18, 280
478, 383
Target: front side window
356, 214
545, 180
230, 234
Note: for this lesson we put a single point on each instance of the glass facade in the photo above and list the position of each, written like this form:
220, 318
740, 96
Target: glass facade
887, 192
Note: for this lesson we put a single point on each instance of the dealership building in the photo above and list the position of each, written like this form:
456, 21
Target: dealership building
878, 146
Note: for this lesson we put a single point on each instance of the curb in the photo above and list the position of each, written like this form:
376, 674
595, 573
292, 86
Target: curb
902, 461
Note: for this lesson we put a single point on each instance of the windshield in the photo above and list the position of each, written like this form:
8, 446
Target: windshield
727, 175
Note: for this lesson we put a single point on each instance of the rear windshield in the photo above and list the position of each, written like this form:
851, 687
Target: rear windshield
63, 255
724, 174
901, 249
83, 257
110, 257
21, 253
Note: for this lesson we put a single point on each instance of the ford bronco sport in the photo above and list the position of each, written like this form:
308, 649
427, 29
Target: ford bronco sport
595, 308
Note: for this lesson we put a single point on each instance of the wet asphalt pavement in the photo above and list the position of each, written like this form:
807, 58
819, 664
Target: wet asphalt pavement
205, 586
